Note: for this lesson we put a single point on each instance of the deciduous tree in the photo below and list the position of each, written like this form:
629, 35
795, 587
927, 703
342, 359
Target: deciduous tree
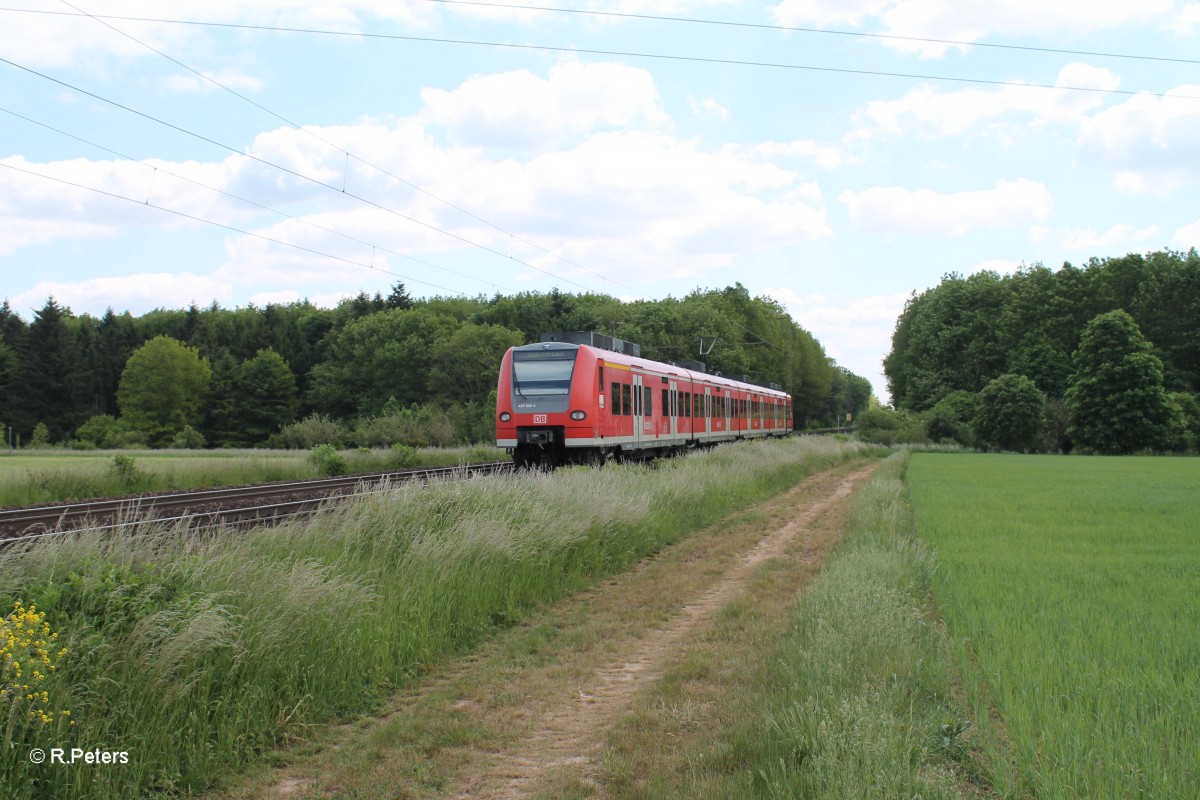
163, 388
1116, 401
1010, 413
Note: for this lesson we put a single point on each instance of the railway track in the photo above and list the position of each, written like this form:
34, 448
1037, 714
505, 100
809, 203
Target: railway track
239, 505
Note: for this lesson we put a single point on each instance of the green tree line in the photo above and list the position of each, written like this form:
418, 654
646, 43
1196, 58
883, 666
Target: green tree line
1102, 358
373, 371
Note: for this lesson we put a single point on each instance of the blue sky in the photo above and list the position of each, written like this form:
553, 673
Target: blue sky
476, 168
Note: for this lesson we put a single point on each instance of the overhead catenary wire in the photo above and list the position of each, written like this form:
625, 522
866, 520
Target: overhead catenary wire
389, 210
223, 225
821, 31
246, 200
314, 135
646, 55
286, 170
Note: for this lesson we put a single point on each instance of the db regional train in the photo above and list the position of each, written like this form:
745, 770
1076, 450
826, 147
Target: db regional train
584, 398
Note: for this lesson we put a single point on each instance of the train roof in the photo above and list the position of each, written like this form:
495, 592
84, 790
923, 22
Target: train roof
613, 357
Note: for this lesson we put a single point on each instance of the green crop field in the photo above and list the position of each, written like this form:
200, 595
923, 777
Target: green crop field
1072, 589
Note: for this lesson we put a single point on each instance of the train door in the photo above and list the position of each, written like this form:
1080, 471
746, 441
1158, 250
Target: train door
706, 424
728, 411
673, 398
638, 411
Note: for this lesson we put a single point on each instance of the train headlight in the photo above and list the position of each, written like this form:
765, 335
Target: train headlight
578, 416
505, 416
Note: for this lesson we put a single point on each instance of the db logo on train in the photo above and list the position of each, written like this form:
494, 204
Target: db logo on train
539, 418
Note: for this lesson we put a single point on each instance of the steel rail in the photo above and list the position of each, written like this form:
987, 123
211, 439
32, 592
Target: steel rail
57, 518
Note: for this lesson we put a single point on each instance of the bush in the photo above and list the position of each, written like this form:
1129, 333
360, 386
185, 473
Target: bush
129, 475
309, 432
949, 422
188, 439
418, 426
100, 431
40, 437
1011, 413
404, 457
885, 426
328, 461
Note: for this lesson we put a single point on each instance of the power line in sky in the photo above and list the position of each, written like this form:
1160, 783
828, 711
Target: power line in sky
285, 215
216, 224
312, 134
633, 54
823, 31
309, 178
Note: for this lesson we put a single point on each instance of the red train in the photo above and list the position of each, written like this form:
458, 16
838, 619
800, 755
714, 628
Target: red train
561, 402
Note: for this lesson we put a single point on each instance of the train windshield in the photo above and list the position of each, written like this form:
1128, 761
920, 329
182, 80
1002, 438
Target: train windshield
543, 372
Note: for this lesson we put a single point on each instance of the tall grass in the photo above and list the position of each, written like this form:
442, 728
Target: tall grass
52, 476
195, 654
857, 700
1073, 587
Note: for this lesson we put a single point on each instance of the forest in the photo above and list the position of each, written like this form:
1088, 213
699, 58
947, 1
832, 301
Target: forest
373, 371
1099, 358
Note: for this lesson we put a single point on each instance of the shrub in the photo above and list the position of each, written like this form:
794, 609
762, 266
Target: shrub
188, 439
418, 426
100, 431
885, 426
309, 432
949, 421
1011, 413
404, 457
328, 461
40, 437
129, 475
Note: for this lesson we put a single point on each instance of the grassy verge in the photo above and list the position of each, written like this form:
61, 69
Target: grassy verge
196, 656
1073, 585
31, 477
842, 691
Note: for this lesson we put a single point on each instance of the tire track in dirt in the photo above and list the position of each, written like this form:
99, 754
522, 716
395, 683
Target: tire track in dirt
571, 733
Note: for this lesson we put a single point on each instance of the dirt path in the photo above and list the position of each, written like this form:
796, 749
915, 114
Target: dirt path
528, 713
569, 734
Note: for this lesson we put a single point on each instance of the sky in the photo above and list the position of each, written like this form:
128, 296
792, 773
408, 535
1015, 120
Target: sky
834, 155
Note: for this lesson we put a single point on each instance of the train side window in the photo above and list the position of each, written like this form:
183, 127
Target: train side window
615, 399
666, 406
649, 402
626, 405
687, 404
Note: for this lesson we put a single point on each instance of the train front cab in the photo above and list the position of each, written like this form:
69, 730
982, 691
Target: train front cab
550, 405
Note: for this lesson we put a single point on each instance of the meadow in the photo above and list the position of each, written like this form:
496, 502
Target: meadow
32, 477
1071, 589
198, 654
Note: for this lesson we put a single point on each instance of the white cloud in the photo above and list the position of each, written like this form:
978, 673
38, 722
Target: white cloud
525, 110
1116, 235
971, 21
46, 40
708, 107
1152, 144
636, 204
894, 210
932, 113
137, 293
856, 332
1188, 236
1187, 21
824, 156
